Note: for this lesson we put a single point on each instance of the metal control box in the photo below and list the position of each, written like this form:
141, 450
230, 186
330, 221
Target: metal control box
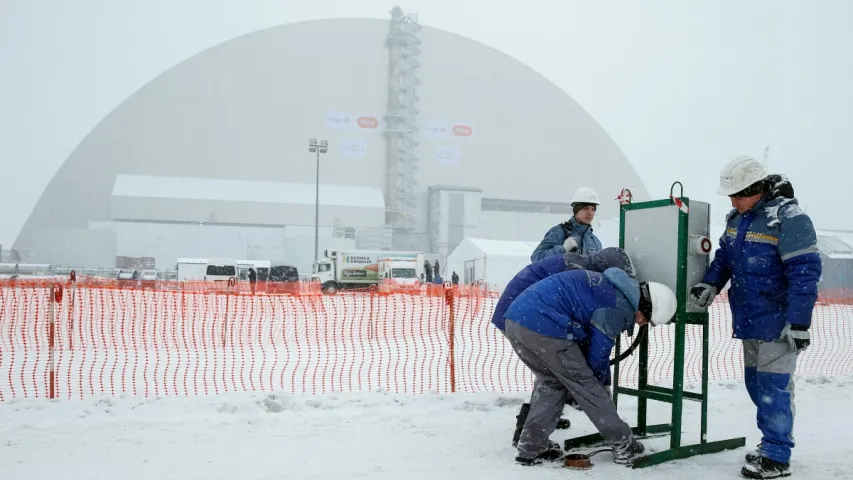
669, 243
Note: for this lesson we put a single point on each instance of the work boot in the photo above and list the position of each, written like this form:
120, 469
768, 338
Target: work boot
625, 454
519, 423
753, 455
574, 404
553, 454
765, 468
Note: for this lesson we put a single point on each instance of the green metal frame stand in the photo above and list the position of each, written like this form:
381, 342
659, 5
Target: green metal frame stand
676, 395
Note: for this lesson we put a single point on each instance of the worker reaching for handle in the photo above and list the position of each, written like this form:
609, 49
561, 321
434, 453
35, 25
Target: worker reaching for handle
564, 328
597, 262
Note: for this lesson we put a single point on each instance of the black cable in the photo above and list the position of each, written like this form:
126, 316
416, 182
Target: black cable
627, 353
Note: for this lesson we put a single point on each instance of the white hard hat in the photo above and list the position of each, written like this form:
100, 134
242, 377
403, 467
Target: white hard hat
663, 303
740, 173
585, 195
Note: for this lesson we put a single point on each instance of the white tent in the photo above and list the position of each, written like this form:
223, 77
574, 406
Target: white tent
494, 262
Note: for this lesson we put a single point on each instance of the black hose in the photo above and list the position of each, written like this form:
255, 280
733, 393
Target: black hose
627, 353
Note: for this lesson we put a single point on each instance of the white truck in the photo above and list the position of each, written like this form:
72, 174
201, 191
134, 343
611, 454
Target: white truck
401, 272
346, 269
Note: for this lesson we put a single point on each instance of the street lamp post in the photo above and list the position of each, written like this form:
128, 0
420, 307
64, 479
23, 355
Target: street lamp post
322, 147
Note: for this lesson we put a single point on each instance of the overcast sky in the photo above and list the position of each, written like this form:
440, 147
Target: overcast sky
681, 86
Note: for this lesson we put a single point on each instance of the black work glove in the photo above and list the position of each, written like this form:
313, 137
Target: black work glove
797, 336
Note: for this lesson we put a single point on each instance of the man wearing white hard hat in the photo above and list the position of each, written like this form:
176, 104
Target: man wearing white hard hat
574, 235
769, 253
563, 328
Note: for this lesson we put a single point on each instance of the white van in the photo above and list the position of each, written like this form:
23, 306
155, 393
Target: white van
191, 269
262, 269
221, 270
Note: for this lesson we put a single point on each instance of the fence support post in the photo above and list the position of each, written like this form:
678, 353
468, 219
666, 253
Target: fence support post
55, 297
73, 293
371, 335
451, 335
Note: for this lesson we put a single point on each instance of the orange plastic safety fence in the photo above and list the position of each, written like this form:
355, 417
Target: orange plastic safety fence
181, 339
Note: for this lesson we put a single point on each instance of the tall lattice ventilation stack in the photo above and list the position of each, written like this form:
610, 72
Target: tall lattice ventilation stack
400, 117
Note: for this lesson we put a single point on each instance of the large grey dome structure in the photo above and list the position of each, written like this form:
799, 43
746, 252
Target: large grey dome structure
432, 137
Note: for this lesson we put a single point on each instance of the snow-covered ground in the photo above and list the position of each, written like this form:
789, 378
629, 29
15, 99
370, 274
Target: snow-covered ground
375, 435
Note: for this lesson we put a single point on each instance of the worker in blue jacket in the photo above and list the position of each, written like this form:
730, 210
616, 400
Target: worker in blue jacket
574, 235
597, 262
564, 328
769, 253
